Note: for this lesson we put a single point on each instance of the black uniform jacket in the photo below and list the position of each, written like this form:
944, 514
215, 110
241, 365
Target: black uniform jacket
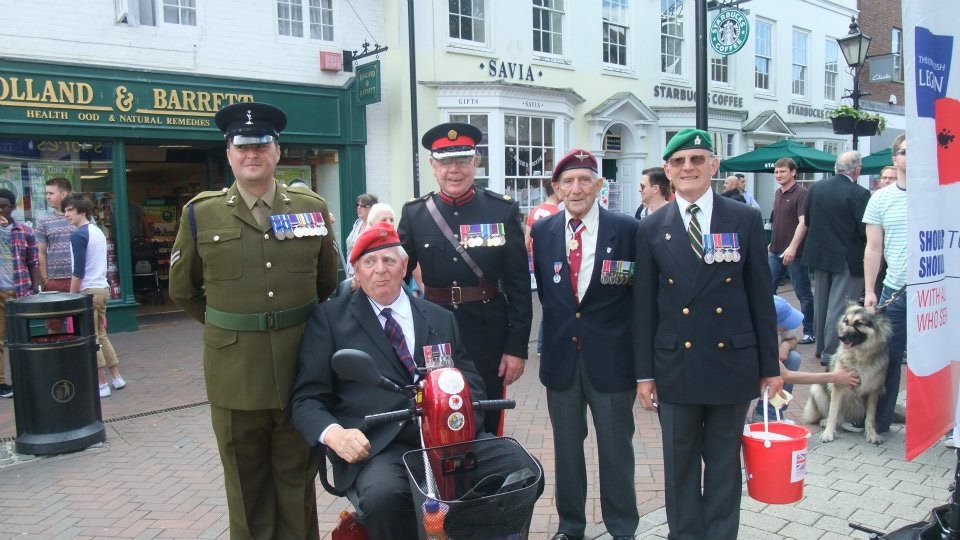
836, 234
705, 333
492, 328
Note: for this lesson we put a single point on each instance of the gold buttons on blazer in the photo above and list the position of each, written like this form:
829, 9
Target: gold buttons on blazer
670, 281
578, 315
686, 311
728, 280
719, 311
721, 345
574, 339
687, 345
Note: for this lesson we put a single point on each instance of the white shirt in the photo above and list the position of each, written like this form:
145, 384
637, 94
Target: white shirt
704, 215
588, 243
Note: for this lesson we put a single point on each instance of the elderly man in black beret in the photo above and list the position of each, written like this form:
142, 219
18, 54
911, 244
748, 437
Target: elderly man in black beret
705, 342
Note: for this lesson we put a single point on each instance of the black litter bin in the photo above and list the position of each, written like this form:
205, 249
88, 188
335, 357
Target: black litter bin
53, 360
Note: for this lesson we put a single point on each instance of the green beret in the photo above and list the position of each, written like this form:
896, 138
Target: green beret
686, 139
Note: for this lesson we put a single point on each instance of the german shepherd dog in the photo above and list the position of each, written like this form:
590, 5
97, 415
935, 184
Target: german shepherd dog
863, 338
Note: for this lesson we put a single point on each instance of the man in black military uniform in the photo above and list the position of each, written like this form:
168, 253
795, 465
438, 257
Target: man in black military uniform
469, 244
250, 263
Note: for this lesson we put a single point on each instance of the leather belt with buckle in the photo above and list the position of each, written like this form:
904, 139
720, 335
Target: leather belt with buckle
461, 295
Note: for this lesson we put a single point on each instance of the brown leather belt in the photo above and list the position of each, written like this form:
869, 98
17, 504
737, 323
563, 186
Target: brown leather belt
461, 295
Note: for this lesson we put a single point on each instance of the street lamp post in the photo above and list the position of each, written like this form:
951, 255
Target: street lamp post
854, 48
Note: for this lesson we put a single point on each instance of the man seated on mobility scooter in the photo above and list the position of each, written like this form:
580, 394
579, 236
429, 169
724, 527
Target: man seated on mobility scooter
394, 329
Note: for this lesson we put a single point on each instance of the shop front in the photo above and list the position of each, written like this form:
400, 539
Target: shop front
139, 145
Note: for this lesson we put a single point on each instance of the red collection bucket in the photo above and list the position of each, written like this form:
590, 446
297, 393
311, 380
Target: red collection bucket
775, 471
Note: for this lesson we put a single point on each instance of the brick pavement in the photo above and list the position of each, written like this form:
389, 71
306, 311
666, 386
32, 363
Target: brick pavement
158, 474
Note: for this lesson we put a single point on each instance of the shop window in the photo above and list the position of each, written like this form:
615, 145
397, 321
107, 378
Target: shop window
290, 18
468, 20
481, 122
180, 12
671, 37
26, 165
615, 32
548, 26
529, 150
723, 148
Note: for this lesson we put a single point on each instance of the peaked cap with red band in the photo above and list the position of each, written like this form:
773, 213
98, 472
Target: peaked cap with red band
452, 139
576, 158
379, 236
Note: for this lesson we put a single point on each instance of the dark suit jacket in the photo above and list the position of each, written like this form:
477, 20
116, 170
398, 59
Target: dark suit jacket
601, 323
321, 398
706, 333
835, 230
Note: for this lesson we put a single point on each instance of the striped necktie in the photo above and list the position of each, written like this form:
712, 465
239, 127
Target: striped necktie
399, 344
694, 231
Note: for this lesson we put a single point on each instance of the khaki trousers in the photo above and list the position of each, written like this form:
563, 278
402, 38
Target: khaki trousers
106, 356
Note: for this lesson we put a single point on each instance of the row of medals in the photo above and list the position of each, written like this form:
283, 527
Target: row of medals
719, 256
615, 278
479, 241
290, 226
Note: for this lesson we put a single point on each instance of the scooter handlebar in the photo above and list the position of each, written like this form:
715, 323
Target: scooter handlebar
494, 404
373, 420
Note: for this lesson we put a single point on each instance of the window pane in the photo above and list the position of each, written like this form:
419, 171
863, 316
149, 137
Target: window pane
529, 158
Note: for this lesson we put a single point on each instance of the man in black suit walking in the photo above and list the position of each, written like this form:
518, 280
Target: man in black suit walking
705, 341
583, 260
836, 238
328, 409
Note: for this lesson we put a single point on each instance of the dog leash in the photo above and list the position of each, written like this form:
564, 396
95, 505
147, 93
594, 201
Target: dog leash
893, 298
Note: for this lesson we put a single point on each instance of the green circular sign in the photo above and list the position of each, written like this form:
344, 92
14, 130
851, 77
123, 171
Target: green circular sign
729, 31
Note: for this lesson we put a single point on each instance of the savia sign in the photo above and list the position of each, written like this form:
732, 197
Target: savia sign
729, 31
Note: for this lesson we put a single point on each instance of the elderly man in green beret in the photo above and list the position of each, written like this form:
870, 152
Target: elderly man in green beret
705, 337
250, 263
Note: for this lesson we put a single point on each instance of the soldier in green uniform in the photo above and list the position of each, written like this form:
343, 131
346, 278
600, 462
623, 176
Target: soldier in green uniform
250, 262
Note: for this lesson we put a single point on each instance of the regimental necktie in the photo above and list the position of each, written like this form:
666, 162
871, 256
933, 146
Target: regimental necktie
399, 344
575, 254
694, 231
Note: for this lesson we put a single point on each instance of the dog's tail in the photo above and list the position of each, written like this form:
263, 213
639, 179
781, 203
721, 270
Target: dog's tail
818, 404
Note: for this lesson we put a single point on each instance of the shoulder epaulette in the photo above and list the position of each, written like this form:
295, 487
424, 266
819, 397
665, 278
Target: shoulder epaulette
207, 195
421, 198
497, 196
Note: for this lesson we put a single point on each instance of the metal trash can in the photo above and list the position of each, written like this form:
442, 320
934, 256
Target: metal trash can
57, 399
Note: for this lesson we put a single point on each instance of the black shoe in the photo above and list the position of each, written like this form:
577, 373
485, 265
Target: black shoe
807, 338
565, 536
853, 427
6, 390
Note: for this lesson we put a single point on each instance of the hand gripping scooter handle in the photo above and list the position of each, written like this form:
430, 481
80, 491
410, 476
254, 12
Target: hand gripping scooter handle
373, 420
494, 404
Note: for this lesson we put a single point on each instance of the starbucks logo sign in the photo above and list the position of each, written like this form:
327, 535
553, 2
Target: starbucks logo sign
729, 31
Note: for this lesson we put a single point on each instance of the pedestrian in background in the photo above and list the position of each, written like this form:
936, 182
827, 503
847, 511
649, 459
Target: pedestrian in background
19, 268
53, 237
88, 259
364, 203
654, 191
836, 237
250, 262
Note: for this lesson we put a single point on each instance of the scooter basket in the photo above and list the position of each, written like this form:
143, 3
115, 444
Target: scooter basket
490, 487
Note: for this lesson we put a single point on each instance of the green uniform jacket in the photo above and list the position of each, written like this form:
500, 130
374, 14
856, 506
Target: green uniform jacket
237, 266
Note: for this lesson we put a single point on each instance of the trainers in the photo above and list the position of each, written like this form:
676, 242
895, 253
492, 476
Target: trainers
807, 338
118, 383
853, 427
6, 390
105, 390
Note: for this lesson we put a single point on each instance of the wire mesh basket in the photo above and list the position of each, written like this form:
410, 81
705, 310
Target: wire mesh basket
488, 487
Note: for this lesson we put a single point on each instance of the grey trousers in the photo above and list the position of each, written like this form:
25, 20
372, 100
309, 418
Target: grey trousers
613, 422
830, 296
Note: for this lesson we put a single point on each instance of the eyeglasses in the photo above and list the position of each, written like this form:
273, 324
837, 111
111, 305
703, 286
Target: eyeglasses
902, 152
361, 205
457, 162
696, 160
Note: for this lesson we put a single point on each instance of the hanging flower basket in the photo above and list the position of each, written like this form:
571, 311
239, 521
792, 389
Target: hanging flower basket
844, 125
867, 128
